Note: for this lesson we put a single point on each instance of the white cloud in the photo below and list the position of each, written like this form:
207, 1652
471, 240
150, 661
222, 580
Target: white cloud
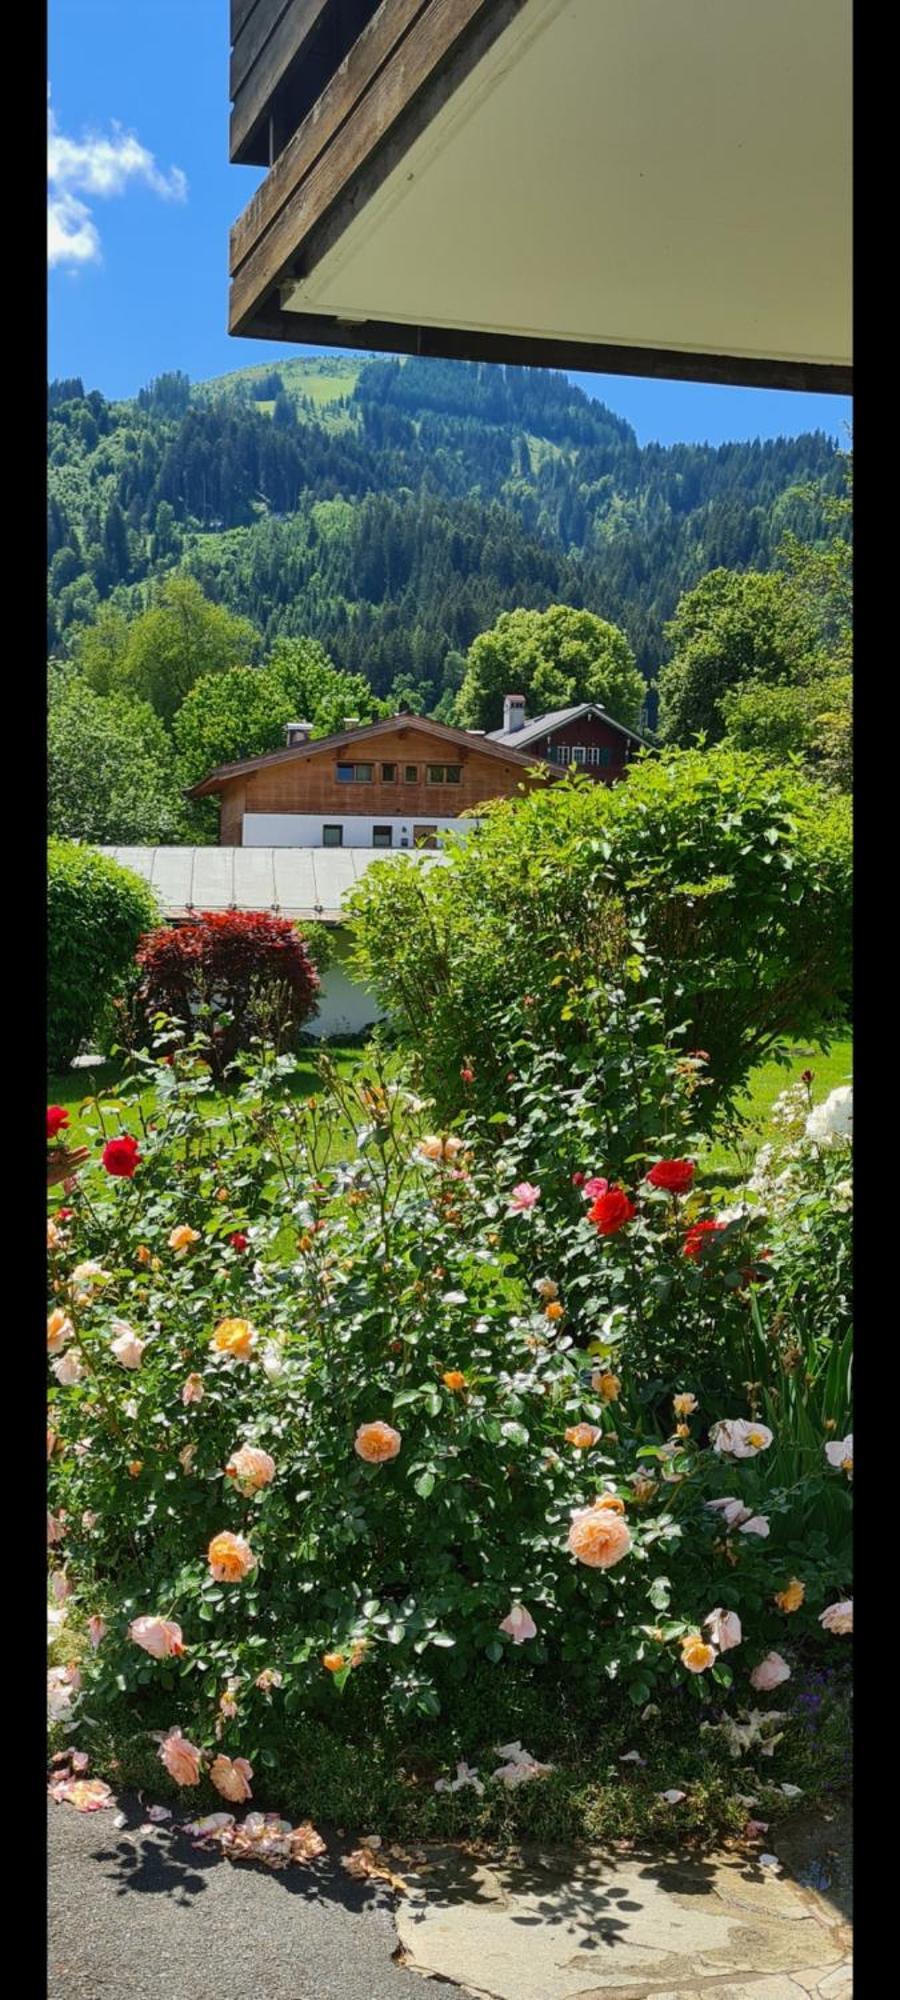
100, 166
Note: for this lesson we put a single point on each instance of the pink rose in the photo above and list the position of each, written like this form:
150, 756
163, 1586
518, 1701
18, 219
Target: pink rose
594, 1188
523, 1197
127, 1348
838, 1617
55, 1530
68, 1370
519, 1624
232, 1778
181, 1758
770, 1673
159, 1636
97, 1630
724, 1628
193, 1390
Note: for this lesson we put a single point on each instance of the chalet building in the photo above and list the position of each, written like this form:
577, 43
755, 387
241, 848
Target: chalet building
585, 737
658, 188
400, 783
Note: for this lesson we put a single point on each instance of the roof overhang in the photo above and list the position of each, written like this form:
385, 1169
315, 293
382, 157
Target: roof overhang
641, 186
462, 741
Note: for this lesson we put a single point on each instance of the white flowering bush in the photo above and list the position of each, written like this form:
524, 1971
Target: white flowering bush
369, 1428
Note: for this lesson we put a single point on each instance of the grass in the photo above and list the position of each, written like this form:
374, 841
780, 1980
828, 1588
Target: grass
731, 1161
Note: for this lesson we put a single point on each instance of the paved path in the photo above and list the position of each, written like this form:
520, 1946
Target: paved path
151, 1916
139, 1913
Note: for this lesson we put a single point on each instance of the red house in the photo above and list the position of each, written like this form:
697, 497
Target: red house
585, 736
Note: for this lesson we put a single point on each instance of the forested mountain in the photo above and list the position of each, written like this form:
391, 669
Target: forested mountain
393, 509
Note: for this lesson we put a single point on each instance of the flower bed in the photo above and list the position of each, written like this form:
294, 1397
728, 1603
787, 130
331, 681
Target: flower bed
446, 1451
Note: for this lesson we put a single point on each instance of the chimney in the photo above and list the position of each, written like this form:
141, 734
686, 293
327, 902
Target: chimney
513, 713
297, 733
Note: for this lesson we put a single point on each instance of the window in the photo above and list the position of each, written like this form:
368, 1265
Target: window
382, 836
348, 773
389, 774
410, 774
453, 774
332, 836
443, 774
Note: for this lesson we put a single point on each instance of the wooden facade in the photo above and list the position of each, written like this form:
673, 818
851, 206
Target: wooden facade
305, 781
607, 749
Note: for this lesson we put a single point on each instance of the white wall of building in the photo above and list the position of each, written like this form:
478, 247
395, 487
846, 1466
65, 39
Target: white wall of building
344, 1007
305, 829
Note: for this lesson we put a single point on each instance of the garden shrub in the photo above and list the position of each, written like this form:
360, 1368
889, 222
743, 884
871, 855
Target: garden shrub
96, 913
237, 971
363, 1429
736, 875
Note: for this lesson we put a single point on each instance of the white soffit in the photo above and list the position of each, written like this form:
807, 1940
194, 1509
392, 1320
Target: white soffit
658, 173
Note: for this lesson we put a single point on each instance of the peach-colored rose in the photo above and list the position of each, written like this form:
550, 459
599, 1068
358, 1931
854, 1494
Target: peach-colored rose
642, 1486
546, 1288
231, 1778
606, 1385
59, 1331
181, 1238
142, 1254
519, 1624
60, 1586
582, 1436
269, 1678
454, 1380
376, 1442
791, 1598
684, 1405
55, 1529
230, 1557
598, 1537
127, 1348
250, 1469
737, 1437
770, 1673
181, 1758
68, 1370
839, 1452
435, 1148
695, 1654
610, 1500
54, 1235
838, 1617
193, 1390
724, 1628
52, 1440
236, 1337
159, 1636
97, 1630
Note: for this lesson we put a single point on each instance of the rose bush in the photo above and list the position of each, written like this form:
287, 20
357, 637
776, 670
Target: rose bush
414, 1430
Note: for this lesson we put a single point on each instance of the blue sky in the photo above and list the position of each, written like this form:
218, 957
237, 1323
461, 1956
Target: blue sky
143, 198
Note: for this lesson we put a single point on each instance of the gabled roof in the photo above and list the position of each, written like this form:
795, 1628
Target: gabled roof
461, 739
557, 718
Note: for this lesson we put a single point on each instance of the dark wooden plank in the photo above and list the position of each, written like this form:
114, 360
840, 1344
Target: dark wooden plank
358, 69
252, 39
422, 55
240, 10
524, 351
284, 43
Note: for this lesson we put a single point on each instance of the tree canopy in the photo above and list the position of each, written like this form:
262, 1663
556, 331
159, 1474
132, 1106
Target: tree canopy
554, 658
158, 655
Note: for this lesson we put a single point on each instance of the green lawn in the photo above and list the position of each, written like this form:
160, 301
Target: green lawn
731, 1162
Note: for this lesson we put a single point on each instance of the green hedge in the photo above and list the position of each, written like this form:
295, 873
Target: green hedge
96, 912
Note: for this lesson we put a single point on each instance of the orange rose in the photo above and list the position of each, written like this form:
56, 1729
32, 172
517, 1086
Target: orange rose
181, 1758
376, 1442
235, 1336
612, 1501
598, 1537
230, 1557
554, 1310
334, 1662
696, 1655
582, 1436
59, 1330
232, 1778
791, 1598
250, 1469
606, 1385
454, 1379
182, 1238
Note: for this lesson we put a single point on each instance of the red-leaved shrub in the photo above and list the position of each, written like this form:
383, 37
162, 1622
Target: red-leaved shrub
253, 967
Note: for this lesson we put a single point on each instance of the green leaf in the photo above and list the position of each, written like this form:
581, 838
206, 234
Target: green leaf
425, 1484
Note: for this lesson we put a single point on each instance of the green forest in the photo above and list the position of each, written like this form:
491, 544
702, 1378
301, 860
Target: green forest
329, 536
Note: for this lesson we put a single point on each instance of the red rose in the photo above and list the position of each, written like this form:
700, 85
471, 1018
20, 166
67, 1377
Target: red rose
578, 1180
697, 1235
239, 1241
121, 1156
611, 1211
64, 1214
673, 1175
468, 1075
57, 1120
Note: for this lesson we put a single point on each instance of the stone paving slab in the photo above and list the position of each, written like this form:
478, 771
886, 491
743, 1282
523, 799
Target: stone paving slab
601, 1927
